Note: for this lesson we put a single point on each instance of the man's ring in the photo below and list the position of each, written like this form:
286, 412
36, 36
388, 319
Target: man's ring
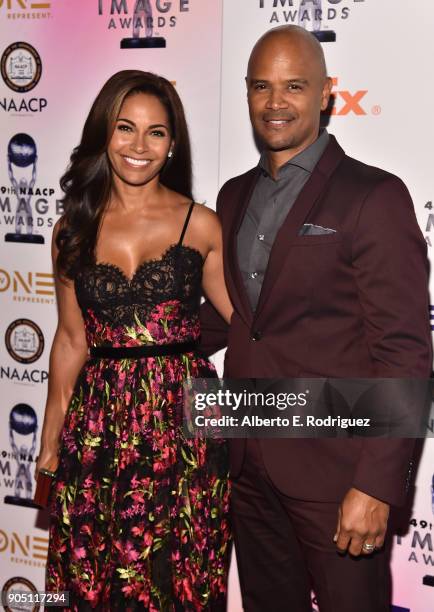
368, 547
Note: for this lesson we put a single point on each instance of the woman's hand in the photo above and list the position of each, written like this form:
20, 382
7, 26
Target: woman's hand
48, 459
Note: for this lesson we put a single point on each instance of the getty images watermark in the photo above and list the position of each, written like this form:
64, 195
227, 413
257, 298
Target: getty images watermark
249, 399
308, 408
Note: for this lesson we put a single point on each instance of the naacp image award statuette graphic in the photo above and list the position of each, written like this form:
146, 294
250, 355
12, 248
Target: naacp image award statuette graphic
142, 18
310, 18
23, 425
22, 158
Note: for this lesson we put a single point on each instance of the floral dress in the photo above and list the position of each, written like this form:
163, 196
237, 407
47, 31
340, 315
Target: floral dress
139, 513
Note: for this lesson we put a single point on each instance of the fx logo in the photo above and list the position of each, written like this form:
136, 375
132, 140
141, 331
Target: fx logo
351, 101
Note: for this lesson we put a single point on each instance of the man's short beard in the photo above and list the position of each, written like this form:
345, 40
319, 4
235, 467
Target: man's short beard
284, 146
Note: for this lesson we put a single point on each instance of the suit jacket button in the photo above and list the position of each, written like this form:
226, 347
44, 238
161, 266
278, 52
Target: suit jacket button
256, 336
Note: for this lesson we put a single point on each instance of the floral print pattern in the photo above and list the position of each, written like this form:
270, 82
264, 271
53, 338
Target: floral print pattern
139, 513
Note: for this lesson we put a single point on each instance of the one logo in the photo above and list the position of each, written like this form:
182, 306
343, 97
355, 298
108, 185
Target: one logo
9, 594
23, 547
24, 341
23, 425
32, 287
26, 9
21, 67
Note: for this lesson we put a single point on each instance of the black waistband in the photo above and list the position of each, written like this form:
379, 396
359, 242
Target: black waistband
137, 352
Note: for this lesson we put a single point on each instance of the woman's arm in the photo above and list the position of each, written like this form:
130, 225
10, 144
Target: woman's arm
213, 281
68, 354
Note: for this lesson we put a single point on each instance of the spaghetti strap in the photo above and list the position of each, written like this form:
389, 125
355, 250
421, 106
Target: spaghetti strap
187, 219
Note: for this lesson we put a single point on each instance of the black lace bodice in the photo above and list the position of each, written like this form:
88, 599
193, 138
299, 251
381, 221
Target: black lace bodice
104, 289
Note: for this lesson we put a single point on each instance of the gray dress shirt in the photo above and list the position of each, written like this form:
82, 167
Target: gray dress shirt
271, 201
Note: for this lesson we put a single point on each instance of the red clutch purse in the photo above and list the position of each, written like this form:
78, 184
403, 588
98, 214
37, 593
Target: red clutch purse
43, 487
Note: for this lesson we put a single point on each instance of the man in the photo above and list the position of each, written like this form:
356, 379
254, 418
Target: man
327, 271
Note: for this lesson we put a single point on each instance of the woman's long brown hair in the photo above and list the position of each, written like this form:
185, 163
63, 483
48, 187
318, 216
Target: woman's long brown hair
87, 182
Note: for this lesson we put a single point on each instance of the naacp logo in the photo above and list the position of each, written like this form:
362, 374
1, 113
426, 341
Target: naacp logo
24, 341
21, 67
9, 594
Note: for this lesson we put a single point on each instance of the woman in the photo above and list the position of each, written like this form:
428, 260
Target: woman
139, 513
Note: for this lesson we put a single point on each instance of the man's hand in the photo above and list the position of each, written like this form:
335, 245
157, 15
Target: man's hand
362, 523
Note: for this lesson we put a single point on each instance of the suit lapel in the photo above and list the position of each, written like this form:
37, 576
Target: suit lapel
241, 296
307, 198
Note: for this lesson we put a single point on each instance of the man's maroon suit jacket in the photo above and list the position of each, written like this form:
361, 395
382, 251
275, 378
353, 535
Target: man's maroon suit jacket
353, 303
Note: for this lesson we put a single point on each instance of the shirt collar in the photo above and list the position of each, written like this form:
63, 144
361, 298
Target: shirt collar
306, 159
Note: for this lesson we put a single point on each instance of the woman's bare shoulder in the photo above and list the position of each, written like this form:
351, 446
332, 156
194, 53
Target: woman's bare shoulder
206, 217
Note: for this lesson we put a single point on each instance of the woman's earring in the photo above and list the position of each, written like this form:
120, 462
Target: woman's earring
170, 154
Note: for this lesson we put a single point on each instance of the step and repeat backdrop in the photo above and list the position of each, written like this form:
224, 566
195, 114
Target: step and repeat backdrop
54, 57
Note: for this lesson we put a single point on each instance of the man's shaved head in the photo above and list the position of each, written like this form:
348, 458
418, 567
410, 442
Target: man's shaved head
287, 88
291, 35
